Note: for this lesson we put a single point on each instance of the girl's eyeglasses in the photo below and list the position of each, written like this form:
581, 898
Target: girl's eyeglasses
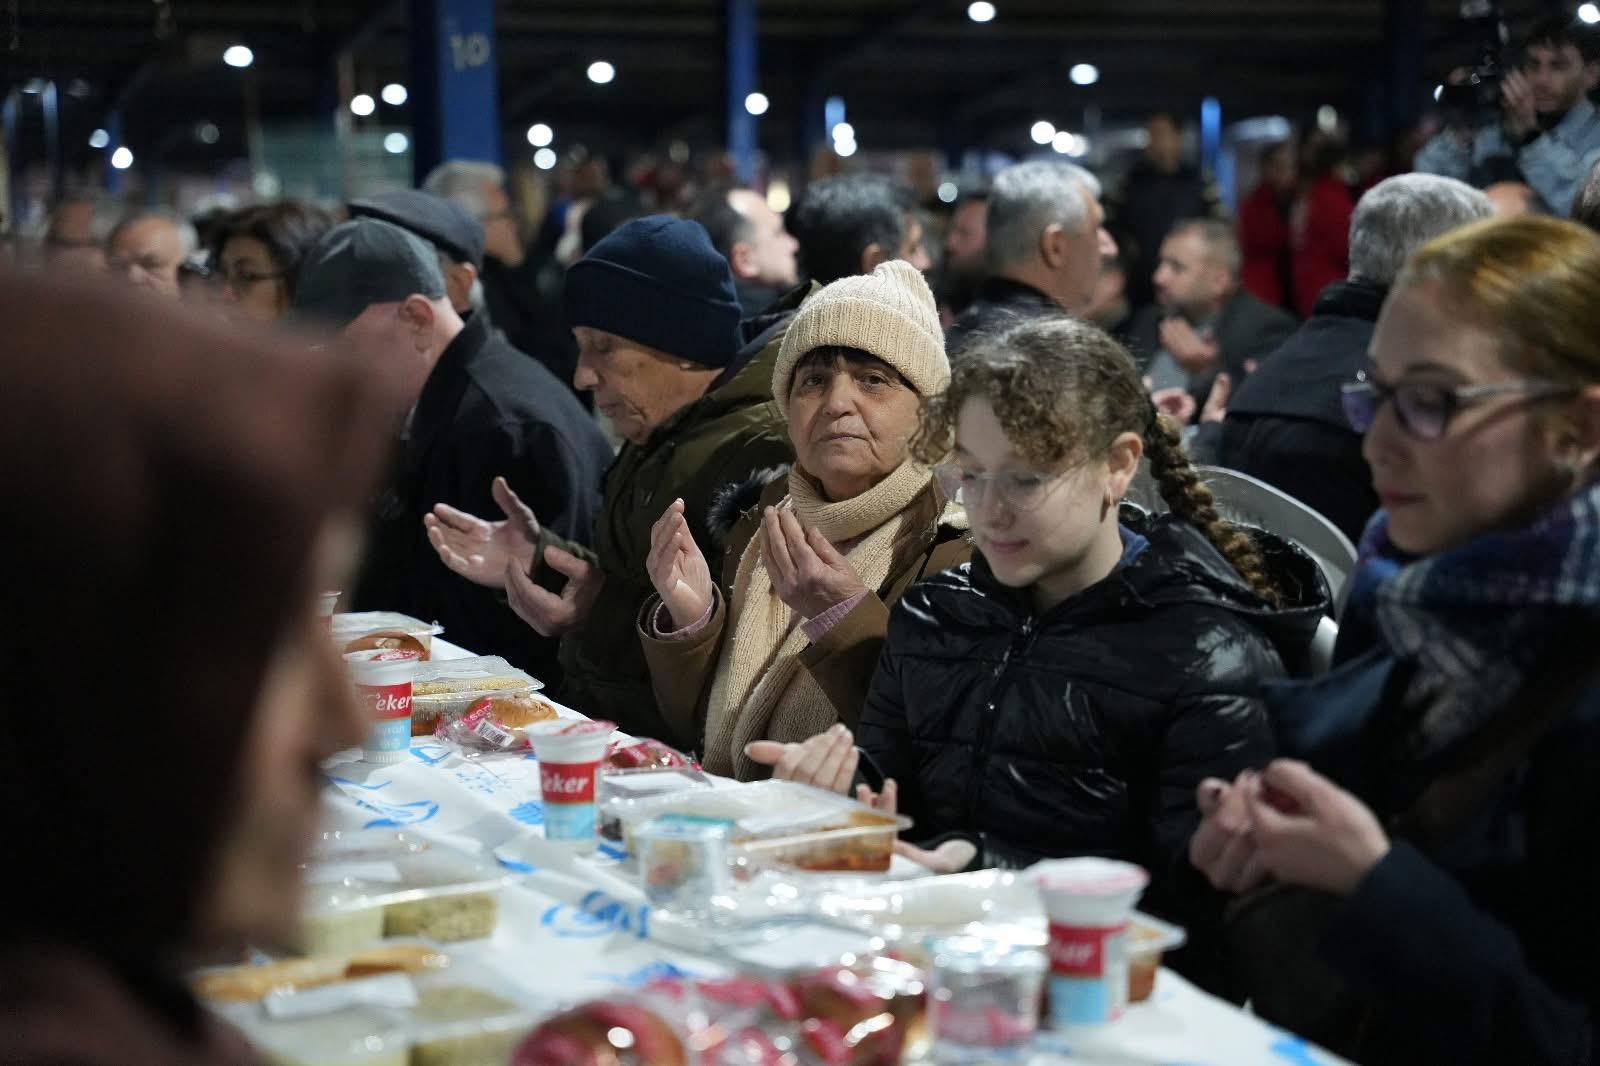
1020, 490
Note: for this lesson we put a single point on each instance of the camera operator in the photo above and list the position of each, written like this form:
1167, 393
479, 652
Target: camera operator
1548, 132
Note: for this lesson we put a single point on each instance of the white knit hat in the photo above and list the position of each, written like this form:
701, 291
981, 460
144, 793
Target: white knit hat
889, 313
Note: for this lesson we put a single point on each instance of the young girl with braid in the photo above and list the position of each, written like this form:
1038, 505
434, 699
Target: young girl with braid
1066, 691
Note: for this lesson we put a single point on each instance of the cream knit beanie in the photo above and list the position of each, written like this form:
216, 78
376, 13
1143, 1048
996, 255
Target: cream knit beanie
889, 313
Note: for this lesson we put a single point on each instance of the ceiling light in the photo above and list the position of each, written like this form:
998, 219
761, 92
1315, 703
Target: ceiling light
1084, 74
207, 133
395, 143
948, 192
99, 139
845, 149
540, 135
1589, 13
544, 159
122, 158
394, 94
1062, 142
844, 131
1438, 91
35, 86
1043, 132
363, 105
1327, 118
757, 103
238, 56
981, 11
601, 72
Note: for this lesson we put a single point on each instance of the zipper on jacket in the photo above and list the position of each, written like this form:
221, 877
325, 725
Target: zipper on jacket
1015, 650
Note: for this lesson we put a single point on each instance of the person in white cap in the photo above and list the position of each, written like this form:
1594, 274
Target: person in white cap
785, 645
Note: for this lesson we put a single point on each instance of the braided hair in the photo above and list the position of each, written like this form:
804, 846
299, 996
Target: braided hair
1063, 391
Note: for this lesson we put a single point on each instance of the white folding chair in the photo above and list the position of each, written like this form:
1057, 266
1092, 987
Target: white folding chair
1250, 501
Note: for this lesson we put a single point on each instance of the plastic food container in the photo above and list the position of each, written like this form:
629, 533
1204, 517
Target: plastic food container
797, 826
444, 689
855, 849
352, 626
683, 863
463, 1014
467, 1015
395, 885
1148, 939
984, 998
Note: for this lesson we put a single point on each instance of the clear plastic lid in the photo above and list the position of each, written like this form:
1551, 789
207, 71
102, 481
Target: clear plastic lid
946, 905
362, 869
355, 1036
482, 675
638, 784
788, 946
1149, 935
355, 624
759, 810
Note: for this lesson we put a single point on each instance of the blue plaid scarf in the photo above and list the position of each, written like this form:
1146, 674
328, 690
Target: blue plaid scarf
1474, 620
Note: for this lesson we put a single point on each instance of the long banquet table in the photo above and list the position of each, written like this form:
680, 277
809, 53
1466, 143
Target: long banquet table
573, 929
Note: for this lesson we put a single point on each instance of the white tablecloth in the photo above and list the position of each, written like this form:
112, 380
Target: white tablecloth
575, 929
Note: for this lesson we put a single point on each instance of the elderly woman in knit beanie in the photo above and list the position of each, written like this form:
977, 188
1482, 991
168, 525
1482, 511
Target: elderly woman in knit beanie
785, 645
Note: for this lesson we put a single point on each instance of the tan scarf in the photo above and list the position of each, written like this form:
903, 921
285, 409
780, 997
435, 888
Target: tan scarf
760, 692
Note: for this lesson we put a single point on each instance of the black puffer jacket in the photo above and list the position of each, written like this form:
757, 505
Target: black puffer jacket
1085, 731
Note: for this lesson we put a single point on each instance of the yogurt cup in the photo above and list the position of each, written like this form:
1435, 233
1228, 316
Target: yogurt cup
1088, 902
327, 603
570, 754
383, 684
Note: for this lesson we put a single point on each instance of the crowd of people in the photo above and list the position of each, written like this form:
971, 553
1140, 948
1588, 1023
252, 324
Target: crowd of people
844, 497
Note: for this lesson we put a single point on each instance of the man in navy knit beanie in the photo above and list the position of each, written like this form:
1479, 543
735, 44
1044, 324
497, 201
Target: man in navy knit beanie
689, 388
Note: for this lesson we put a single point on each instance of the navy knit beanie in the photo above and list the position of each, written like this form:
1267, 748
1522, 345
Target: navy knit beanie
658, 282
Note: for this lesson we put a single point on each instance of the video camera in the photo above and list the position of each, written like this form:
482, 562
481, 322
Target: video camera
1474, 101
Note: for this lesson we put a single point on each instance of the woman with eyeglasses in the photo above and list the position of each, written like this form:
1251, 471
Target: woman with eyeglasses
256, 253
1445, 808
1064, 692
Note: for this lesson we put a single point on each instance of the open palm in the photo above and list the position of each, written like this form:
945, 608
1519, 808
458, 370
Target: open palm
479, 550
677, 568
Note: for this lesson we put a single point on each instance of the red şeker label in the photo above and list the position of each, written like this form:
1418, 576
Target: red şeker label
1078, 951
388, 701
568, 782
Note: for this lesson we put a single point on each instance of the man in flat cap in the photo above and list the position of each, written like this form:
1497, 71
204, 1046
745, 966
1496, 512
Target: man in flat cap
486, 418
456, 236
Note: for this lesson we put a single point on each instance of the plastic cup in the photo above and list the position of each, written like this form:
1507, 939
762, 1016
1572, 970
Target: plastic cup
1088, 901
326, 605
569, 755
383, 683
983, 999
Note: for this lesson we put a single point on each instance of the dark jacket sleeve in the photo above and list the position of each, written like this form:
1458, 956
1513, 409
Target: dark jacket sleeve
884, 732
1410, 936
1217, 727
